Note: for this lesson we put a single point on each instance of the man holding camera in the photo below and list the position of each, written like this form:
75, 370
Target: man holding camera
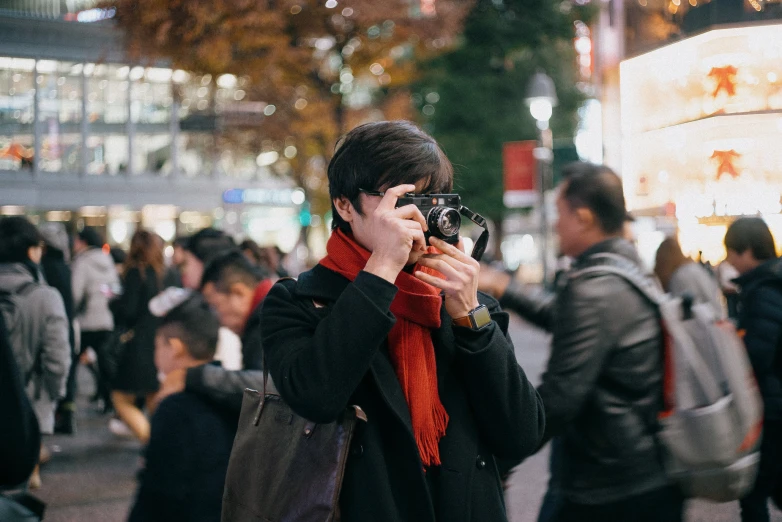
397, 327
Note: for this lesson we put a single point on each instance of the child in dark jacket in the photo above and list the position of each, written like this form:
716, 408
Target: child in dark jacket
190, 441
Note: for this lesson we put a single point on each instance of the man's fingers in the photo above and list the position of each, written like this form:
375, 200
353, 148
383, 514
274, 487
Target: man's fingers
450, 250
389, 200
411, 212
442, 265
436, 282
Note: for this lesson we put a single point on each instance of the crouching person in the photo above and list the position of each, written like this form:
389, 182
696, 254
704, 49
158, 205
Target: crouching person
190, 441
398, 328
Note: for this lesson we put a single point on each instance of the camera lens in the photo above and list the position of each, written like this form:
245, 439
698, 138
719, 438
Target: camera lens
445, 221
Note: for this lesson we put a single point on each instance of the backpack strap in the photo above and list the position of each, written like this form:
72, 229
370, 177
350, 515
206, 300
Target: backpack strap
608, 263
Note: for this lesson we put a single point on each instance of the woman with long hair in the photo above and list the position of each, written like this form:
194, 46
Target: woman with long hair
136, 376
682, 276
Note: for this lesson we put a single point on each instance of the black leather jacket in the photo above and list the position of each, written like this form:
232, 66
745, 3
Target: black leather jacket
603, 385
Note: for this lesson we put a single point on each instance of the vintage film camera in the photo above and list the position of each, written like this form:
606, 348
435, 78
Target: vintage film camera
441, 212
443, 216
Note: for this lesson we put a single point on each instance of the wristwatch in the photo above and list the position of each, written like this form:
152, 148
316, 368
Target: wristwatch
476, 318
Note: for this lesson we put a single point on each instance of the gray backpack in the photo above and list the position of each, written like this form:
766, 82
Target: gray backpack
26, 358
711, 426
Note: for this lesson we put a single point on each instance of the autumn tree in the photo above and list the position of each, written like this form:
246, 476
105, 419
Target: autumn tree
472, 98
323, 65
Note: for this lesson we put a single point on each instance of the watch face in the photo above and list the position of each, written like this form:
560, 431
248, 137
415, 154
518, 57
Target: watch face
481, 317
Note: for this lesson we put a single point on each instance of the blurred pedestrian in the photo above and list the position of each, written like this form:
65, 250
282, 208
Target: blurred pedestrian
751, 250
272, 260
136, 376
602, 388
190, 443
95, 282
34, 314
200, 248
118, 256
173, 275
682, 276
56, 268
726, 274
252, 251
235, 289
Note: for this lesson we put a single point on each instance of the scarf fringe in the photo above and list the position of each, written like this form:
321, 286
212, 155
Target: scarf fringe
428, 441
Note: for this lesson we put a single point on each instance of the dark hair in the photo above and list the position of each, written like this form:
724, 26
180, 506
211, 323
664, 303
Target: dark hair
195, 325
91, 236
181, 241
208, 242
751, 233
17, 236
380, 155
145, 251
599, 189
228, 268
118, 255
255, 250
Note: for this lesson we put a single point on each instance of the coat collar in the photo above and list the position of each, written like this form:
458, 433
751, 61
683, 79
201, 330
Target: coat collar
769, 270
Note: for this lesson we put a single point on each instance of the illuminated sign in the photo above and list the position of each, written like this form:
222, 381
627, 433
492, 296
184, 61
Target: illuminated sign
91, 15
264, 197
726, 71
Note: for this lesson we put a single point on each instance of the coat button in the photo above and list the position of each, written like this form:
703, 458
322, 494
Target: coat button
480, 463
357, 450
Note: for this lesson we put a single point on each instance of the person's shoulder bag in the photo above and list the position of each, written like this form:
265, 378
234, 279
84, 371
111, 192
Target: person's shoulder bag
284, 467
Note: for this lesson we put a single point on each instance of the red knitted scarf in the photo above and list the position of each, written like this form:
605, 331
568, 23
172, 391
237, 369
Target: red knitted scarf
417, 310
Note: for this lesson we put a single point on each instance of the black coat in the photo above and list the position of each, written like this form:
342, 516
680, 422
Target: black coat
58, 275
186, 461
136, 372
760, 316
20, 438
324, 359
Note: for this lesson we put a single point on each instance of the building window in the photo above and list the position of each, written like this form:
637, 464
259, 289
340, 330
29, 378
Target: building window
152, 154
17, 102
196, 152
59, 113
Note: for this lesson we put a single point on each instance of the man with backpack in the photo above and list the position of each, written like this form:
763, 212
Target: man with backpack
752, 252
35, 317
603, 387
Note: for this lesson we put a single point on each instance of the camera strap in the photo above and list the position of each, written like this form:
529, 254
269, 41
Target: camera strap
483, 241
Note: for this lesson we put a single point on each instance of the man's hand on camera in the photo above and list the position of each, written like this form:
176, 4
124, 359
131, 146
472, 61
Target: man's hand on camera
396, 232
461, 277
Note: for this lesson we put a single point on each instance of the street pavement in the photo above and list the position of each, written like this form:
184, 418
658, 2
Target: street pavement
91, 476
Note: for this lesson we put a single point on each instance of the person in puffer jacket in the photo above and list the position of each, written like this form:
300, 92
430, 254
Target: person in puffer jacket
95, 282
752, 252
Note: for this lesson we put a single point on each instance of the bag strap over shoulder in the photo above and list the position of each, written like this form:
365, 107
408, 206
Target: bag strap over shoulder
608, 263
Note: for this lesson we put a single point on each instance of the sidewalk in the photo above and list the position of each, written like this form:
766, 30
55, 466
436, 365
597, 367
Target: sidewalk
92, 475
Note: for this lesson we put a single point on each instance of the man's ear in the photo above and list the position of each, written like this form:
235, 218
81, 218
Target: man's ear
345, 208
586, 217
178, 348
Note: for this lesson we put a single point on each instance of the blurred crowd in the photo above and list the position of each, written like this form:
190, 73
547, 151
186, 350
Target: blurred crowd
390, 320
70, 301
